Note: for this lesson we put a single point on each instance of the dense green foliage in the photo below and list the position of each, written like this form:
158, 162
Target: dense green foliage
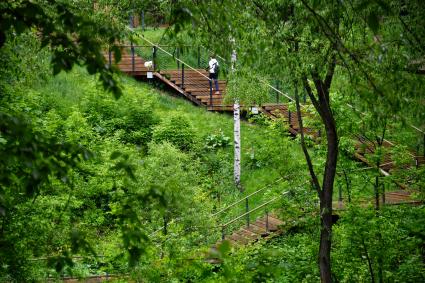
115, 174
91, 185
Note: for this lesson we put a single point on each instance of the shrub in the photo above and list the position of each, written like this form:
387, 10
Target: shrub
176, 130
132, 121
215, 141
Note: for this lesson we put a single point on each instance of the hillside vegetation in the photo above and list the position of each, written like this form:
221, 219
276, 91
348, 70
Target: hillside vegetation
101, 174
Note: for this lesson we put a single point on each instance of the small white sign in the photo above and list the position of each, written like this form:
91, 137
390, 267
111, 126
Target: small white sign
254, 110
150, 75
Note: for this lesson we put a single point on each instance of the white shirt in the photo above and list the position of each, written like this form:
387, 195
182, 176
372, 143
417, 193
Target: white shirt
212, 64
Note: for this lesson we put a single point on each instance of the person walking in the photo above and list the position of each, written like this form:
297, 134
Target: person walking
213, 69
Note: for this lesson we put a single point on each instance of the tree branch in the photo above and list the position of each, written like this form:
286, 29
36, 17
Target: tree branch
316, 183
311, 95
336, 40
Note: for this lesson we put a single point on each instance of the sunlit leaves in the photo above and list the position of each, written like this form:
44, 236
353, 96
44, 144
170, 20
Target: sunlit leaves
73, 38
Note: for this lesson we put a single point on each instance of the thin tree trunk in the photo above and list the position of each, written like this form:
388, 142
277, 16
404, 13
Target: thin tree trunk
369, 263
376, 187
380, 142
236, 132
321, 103
347, 183
237, 143
326, 191
326, 202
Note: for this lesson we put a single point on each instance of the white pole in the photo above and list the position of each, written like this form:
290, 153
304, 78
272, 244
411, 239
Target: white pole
236, 134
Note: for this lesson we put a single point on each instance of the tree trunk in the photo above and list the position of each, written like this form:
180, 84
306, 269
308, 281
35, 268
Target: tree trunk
236, 131
369, 262
237, 142
326, 190
326, 200
321, 103
325, 245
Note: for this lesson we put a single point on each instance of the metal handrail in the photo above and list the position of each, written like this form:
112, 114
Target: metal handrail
162, 228
263, 81
168, 53
161, 45
246, 197
228, 207
252, 210
412, 126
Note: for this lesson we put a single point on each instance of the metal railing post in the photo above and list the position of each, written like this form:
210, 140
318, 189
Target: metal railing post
110, 58
182, 76
383, 193
199, 57
267, 220
143, 20
289, 117
132, 58
211, 92
340, 196
277, 93
165, 226
178, 57
247, 210
154, 60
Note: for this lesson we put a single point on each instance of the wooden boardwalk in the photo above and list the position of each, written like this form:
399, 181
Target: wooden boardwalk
194, 85
398, 197
261, 228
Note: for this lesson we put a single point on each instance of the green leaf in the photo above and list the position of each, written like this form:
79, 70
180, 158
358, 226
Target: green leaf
373, 22
115, 155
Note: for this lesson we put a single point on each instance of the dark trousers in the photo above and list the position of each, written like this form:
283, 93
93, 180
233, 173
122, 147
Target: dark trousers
213, 77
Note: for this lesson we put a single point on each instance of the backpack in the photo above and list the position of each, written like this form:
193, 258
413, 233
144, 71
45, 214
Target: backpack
216, 68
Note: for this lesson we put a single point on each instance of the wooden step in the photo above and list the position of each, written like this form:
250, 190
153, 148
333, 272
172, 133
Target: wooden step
258, 228
240, 239
136, 63
136, 73
217, 101
205, 90
207, 95
139, 69
249, 233
174, 71
272, 227
196, 81
202, 87
220, 108
177, 74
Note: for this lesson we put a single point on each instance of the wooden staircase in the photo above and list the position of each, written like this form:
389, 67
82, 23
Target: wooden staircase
126, 64
194, 85
261, 228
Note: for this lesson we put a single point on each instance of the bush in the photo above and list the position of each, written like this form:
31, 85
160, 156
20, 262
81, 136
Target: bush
215, 141
176, 130
131, 121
